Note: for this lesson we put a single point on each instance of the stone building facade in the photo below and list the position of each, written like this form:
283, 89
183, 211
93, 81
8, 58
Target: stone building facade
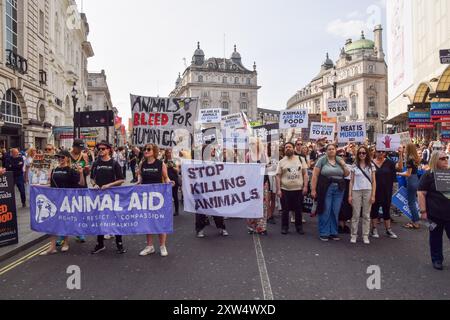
220, 83
360, 74
43, 53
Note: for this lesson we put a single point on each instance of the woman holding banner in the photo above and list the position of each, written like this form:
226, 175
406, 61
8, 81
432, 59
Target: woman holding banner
435, 207
64, 177
411, 174
153, 171
328, 187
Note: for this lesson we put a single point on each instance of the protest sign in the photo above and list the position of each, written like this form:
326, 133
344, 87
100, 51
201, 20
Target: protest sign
233, 121
134, 210
388, 142
442, 179
405, 138
205, 136
322, 130
294, 119
210, 116
223, 189
338, 108
400, 201
8, 214
235, 139
267, 132
351, 132
162, 121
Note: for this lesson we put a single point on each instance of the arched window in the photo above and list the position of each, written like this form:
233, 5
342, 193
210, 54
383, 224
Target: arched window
11, 25
224, 80
244, 106
200, 78
10, 108
236, 80
372, 105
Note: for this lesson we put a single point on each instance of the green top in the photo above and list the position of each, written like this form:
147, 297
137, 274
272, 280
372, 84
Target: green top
363, 44
328, 170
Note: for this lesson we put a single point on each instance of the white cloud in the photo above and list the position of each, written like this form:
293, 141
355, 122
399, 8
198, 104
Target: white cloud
354, 14
346, 29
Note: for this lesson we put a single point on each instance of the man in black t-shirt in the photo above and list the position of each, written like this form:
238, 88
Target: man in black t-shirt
106, 173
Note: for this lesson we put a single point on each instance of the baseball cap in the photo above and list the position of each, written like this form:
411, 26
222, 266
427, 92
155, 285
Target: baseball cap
104, 143
78, 143
63, 153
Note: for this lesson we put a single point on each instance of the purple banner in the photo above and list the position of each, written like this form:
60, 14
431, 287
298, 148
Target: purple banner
134, 210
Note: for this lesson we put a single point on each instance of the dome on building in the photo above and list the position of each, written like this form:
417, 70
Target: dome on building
177, 83
362, 44
236, 55
328, 63
199, 56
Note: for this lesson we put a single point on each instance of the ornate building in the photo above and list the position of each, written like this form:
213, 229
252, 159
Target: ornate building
360, 74
44, 51
220, 83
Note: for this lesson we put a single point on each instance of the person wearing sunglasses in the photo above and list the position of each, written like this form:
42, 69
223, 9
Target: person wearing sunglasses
362, 193
385, 175
346, 211
153, 171
64, 176
435, 207
106, 173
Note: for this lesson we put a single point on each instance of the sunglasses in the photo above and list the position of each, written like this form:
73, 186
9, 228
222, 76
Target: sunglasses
60, 157
362, 153
48, 149
444, 159
102, 149
148, 149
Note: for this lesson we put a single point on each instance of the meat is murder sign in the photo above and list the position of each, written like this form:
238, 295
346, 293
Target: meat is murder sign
162, 121
8, 214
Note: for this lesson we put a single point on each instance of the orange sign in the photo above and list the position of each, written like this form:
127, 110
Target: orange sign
326, 119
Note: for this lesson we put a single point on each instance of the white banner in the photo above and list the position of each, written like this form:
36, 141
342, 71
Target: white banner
237, 138
322, 130
210, 116
294, 119
388, 142
351, 132
223, 189
233, 121
338, 108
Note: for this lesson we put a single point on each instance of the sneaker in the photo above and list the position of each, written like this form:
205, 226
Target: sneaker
108, 237
251, 231
300, 230
284, 232
164, 252
354, 239
375, 234
81, 239
59, 243
223, 232
303, 220
147, 251
391, 234
366, 240
65, 249
121, 249
98, 249
324, 239
335, 238
201, 234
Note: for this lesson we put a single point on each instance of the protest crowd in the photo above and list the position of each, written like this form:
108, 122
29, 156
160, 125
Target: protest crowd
347, 187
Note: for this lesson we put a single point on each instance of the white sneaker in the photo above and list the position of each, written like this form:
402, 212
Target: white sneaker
354, 239
366, 240
164, 252
224, 232
375, 234
147, 251
201, 234
108, 237
391, 234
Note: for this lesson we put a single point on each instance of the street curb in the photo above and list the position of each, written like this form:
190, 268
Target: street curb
22, 248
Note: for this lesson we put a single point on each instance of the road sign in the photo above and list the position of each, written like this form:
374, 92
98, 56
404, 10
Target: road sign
445, 56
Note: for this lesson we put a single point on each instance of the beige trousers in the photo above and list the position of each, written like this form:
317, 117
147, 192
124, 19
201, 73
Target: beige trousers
361, 199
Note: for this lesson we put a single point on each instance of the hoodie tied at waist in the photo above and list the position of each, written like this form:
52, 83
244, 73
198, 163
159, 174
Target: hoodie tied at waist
322, 188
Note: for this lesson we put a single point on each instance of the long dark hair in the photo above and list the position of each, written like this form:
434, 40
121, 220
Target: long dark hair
368, 160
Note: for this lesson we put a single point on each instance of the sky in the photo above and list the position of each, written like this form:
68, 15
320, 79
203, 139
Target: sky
141, 44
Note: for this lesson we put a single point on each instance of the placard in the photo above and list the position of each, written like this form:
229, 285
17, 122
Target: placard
233, 121
388, 142
351, 132
442, 179
294, 119
8, 213
322, 130
338, 108
210, 116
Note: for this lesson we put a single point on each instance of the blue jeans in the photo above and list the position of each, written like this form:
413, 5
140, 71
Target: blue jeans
328, 220
413, 185
436, 241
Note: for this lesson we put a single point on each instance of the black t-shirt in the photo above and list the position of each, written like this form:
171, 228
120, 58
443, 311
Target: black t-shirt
410, 164
171, 170
105, 172
438, 205
66, 178
152, 173
385, 175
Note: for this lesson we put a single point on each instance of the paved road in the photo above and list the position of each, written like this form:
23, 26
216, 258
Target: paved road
285, 267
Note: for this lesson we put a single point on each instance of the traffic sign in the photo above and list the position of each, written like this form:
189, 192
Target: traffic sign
445, 56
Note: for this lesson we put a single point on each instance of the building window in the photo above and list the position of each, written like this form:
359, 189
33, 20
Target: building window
372, 105
244, 106
205, 105
244, 95
205, 94
249, 81
41, 113
200, 78
354, 106
225, 108
224, 80
89, 98
317, 106
225, 95
41, 22
371, 68
10, 108
11, 25
236, 80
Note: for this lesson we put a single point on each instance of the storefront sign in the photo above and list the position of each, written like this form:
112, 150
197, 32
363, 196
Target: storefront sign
440, 111
8, 214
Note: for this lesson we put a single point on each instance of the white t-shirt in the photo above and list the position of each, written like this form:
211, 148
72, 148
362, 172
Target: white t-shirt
360, 181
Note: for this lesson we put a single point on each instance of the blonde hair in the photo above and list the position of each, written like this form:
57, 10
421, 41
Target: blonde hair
30, 151
434, 160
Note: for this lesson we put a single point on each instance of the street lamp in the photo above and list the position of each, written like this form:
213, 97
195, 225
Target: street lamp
334, 79
75, 101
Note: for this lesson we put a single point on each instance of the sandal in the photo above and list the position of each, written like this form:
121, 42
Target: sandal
48, 253
65, 249
409, 226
